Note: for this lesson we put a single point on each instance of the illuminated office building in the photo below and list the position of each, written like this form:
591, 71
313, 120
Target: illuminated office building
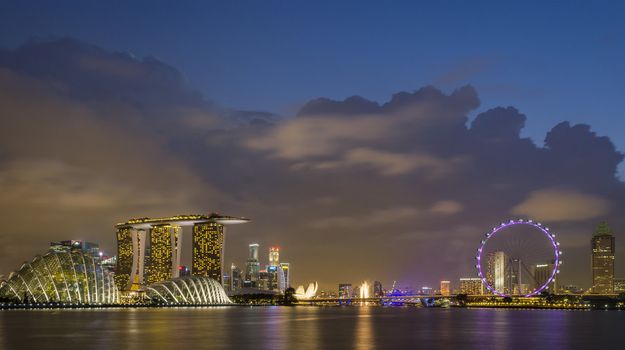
263, 281
252, 268
499, 263
542, 272
274, 256
277, 273
236, 280
471, 286
445, 287
286, 271
602, 261
227, 282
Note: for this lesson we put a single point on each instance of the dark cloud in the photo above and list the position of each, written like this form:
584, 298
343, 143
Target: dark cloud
350, 189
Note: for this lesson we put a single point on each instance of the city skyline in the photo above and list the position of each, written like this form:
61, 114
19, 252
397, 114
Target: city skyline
346, 172
411, 174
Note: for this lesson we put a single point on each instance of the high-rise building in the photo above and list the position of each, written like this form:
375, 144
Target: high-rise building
345, 290
602, 260
161, 253
235, 278
542, 272
377, 289
471, 286
275, 273
124, 257
274, 256
208, 245
445, 287
252, 268
129, 273
498, 261
286, 270
263, 281
227, 282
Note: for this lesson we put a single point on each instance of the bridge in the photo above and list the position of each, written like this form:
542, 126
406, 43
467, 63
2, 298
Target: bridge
414, 300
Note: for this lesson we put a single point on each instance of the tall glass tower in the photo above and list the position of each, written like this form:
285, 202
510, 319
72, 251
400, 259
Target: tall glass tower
602, 261
252, 269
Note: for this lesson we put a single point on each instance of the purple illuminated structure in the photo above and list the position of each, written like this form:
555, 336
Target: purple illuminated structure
545, 230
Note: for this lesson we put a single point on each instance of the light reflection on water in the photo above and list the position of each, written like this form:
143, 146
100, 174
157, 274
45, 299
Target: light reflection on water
361, 328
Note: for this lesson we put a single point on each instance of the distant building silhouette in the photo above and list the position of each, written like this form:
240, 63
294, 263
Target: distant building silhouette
377, 289
345, 290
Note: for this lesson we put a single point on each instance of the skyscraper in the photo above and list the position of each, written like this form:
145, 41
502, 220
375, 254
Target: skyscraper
161, 253
286, 270
131, 258
500, 266
445, 286
208, 241
252, 268
602, 260
235, 278
542, 272
274, 256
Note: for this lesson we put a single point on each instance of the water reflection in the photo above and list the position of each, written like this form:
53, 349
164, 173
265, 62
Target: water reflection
364, 336
308, 328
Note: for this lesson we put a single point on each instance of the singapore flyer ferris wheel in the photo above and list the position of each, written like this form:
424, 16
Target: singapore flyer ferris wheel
519, 257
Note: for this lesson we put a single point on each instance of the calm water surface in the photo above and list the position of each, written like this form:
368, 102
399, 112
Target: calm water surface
311, 328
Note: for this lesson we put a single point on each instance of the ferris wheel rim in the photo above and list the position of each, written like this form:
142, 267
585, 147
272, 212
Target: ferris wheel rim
544, 230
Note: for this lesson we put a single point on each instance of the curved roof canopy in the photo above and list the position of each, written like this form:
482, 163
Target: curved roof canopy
188, 290
67, 277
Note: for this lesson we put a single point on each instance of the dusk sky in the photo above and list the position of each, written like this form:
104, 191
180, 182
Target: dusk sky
369, 140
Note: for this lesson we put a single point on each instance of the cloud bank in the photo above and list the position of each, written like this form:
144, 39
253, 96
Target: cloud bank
352, 189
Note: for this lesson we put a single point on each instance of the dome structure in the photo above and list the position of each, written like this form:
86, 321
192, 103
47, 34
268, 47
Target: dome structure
62, 277
188, 290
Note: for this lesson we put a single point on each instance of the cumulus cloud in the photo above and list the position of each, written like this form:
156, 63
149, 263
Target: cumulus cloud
562, 205
310, 137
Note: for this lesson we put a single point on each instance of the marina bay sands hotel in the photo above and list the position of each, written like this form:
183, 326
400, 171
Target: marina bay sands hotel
149, 249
